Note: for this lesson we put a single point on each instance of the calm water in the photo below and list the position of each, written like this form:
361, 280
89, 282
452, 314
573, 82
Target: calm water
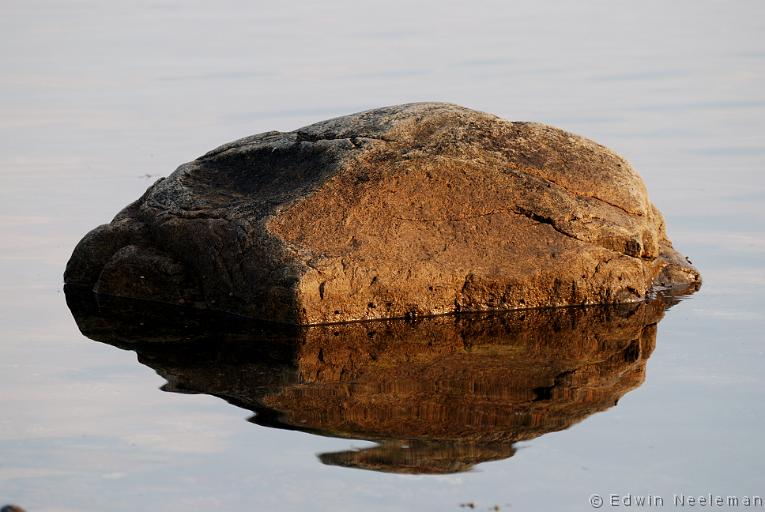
96, 100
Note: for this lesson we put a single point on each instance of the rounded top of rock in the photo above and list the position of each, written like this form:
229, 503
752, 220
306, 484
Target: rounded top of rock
445, 129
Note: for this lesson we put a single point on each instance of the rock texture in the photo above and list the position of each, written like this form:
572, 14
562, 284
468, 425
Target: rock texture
437, 395
403, 211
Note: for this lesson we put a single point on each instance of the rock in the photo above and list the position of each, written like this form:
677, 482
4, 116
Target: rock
436, 395
11, 508
403, 211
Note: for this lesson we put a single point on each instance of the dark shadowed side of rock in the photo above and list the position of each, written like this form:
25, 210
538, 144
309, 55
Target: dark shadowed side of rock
409, 210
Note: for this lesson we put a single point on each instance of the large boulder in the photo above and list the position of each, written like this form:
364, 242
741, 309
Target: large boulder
402, 211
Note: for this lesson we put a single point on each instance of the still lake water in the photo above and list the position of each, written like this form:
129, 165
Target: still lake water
96, 100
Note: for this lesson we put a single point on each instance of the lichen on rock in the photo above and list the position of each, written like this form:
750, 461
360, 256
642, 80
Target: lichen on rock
402, 211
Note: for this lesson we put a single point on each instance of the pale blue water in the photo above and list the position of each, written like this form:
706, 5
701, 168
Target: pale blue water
94, 96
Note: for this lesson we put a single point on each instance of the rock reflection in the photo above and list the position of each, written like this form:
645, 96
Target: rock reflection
438, 395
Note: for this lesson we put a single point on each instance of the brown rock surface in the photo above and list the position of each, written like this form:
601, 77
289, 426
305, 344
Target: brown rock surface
402, 211
438, 395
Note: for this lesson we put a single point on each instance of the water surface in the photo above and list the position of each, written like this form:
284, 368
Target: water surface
97, 100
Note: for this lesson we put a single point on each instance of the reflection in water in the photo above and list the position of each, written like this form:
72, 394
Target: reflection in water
438, 395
